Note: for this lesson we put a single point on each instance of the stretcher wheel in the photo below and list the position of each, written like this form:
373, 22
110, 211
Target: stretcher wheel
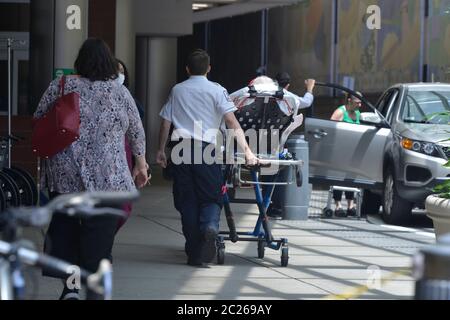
235, 177
220, 256
327, 213
261, 249
284, 256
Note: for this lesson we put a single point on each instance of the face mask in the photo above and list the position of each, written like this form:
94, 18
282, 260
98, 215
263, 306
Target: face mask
120, 79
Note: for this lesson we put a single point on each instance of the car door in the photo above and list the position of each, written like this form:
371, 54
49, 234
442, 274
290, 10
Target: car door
345, 154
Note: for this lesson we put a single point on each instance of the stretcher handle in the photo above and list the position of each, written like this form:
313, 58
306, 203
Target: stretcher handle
264, 162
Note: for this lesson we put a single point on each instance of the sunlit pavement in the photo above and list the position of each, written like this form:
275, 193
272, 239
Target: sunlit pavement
328, 259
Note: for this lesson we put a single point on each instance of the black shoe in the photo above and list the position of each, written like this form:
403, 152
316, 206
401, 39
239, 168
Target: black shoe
351, 212
340, 213
194, 262
209, 247
327, 213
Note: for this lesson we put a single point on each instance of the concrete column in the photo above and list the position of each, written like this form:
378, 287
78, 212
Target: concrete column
125, 37
71, 24
156, 74
57, 30
162, 75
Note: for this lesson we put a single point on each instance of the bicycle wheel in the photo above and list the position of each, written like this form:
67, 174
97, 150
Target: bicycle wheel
25, 192
31, 181
10, 189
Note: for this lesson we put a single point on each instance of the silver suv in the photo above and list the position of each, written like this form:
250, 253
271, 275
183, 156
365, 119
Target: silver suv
397, 153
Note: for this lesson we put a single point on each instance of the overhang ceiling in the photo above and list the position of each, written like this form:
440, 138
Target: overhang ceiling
207, 10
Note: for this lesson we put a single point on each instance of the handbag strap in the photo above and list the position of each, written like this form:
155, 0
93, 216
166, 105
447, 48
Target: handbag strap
62, 83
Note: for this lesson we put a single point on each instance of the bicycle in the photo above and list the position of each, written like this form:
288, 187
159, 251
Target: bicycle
13, 252
17, 184
8, 187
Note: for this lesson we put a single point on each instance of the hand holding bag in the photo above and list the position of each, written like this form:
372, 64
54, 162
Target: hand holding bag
59, 127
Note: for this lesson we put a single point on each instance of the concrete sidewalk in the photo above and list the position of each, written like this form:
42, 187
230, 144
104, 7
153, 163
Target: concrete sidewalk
327, 258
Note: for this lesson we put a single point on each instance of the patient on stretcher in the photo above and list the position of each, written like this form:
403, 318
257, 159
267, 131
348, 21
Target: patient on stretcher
270, 112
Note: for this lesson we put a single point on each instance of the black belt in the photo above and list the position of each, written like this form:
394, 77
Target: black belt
173, 143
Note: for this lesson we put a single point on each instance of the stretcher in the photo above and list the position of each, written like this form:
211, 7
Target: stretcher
272, 113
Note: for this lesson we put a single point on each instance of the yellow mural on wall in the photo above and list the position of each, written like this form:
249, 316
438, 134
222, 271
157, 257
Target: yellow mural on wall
300, 39
439, 41
377, 59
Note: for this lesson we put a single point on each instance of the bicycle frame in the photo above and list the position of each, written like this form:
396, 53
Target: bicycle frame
13, 255
6, 292
12, 286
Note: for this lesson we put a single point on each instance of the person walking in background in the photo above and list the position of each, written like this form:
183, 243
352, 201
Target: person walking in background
123, 79
96, 161
283, 79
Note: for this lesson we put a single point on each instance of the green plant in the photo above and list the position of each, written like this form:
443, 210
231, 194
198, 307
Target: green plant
443, 189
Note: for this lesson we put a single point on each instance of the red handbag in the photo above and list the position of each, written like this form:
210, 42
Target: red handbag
59, 127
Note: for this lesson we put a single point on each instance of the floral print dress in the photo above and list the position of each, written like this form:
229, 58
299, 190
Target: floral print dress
97, 160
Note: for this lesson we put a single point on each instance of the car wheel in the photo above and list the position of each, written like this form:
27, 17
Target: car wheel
395, 209
371, 203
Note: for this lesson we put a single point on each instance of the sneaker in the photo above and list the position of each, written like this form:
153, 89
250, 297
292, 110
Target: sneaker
209, 247
351, 212
340, 213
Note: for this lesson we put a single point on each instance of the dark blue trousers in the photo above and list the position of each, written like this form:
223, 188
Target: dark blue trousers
197, 192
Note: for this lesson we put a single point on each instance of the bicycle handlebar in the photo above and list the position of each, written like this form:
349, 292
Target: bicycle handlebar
26, 217
100, 282
80, 205
92, 199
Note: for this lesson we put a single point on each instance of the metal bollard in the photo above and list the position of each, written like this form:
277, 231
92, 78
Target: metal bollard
431, 269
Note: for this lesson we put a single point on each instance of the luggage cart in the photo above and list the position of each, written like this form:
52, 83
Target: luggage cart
267, 111
328, 213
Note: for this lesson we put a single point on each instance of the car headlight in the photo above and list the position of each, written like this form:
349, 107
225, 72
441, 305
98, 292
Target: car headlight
428, 148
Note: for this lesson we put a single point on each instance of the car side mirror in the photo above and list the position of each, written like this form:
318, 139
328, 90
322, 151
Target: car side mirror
371, 118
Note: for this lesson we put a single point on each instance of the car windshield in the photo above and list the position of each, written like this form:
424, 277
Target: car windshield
427, 106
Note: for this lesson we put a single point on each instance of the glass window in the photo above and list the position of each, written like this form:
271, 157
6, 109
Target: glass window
3, 86
427, 107
383, 101
15, 17
387, 103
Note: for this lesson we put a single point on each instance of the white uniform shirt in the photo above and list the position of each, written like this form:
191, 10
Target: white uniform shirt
196, 108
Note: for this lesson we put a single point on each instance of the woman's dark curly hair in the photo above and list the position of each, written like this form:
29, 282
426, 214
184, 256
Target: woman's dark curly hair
95, 61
